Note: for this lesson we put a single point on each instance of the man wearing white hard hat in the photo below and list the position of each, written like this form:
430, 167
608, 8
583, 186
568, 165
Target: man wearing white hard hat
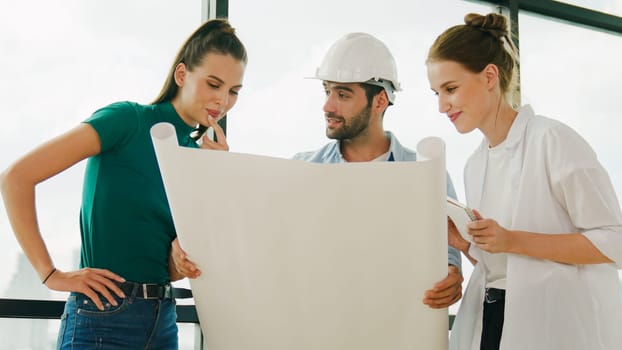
360, 80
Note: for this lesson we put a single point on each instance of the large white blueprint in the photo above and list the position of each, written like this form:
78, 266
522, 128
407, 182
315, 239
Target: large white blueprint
308, 256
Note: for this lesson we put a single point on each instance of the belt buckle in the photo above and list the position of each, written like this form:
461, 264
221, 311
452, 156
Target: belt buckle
145, 291
168, 292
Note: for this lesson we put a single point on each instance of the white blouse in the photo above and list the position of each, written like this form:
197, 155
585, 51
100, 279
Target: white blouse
497, 203
560, 188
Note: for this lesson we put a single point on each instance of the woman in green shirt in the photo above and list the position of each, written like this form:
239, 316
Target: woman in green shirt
121, 296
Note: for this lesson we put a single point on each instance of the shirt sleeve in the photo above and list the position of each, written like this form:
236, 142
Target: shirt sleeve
114, 124
582, 187
453, 254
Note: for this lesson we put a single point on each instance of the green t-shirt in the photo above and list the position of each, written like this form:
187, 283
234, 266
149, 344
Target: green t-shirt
125, 220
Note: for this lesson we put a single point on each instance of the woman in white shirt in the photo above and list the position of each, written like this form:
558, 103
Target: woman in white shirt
548, 241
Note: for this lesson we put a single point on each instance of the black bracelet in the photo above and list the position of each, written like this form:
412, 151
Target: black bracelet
48, 276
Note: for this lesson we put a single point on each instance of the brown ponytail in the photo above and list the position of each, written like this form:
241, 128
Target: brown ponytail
214, 36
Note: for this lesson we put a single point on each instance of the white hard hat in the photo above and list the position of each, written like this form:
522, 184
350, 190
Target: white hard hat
360, 58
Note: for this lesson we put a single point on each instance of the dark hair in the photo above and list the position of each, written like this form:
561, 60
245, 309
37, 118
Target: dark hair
213, 36
482, 40
371, 91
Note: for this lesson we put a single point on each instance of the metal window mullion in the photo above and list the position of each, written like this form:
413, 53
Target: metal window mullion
215, 9
509, 9
573, 14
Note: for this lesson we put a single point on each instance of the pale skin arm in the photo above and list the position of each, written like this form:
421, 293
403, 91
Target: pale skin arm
565, 248
488, 235
18, 183
179, 266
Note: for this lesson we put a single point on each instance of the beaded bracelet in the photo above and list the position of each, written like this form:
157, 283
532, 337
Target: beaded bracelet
48, 276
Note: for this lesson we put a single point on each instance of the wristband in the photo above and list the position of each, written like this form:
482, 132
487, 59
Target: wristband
48, 276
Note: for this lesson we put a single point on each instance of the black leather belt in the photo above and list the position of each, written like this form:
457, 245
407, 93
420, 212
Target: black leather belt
493, 295
153, 291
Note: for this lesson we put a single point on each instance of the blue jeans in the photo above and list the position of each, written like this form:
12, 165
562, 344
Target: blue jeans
135, 323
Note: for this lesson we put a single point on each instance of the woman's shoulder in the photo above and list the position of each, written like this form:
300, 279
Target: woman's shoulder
563, 145
122, 112
542, 127
118, 122
127, 107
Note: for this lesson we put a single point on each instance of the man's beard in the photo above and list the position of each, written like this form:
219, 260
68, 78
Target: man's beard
357, 125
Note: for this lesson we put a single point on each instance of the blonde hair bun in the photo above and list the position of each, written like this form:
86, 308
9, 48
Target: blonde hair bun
492, 23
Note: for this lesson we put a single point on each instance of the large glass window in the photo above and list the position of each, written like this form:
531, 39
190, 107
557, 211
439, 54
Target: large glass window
60, 60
